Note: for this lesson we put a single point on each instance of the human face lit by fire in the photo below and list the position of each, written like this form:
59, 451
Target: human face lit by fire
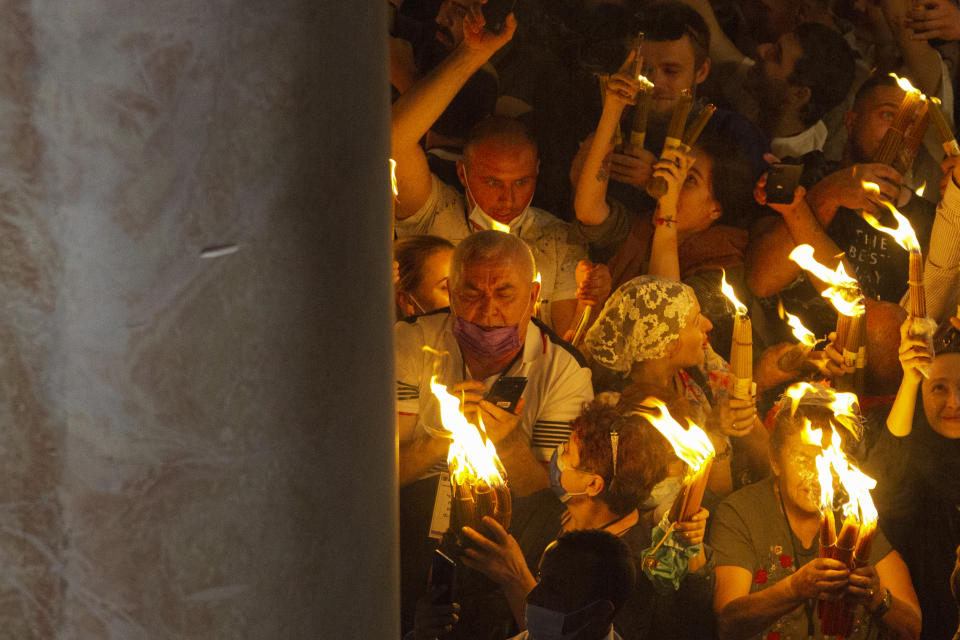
671, 66
500, 176
795, 468
431, 293
941, 395
870, 119
697, 209
688, 350
494, 293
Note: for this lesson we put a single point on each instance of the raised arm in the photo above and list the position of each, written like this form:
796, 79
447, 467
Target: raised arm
664, 248
922, 61
417, 109
804, 222
914, 355
590, 199
722, 50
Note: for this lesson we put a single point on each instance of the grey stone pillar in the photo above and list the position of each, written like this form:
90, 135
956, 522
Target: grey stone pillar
196, 413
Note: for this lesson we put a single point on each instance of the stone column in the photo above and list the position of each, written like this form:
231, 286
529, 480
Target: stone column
196, 405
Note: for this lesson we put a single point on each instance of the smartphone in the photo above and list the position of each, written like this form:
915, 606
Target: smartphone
442, 573
782, 181
506, 393
495, 13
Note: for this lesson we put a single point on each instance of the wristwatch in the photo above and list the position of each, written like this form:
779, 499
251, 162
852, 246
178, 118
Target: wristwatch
884, 605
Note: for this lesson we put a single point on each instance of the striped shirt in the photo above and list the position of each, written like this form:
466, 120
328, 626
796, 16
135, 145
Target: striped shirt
558, 381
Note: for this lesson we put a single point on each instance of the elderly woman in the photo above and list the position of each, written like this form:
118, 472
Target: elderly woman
769, 576
915, 461
651, 331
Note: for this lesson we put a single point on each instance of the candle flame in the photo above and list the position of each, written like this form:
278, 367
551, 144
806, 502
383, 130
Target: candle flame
393, 177
800, 332
472, 458
809, 435
919, 190
728, 291
691, 445
903, 234
644, 82
843, 292
538, 280
796, 392
904, 83
499, 226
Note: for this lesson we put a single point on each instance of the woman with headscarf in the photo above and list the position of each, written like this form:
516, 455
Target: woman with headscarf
651, 331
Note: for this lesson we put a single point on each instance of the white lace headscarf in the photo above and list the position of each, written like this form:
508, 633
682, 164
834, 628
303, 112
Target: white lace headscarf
639, 320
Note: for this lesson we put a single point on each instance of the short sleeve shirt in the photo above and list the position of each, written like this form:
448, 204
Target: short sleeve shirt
444, 214
750, 531
558, 381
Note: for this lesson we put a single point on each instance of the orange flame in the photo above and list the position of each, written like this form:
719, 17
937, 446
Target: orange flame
904, 83
800, 332
843, 292
903, 234
919, 190
644, 82
796, 393
691, 445
728, 291
857, 484
393, 177
472, 458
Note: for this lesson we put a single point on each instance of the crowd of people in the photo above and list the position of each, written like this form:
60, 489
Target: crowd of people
562, 235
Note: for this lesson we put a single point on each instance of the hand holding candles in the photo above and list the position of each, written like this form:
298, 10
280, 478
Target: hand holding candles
477, 477
843, 292
691, 445
904, 235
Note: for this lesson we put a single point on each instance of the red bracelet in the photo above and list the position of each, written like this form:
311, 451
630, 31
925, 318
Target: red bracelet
664, 222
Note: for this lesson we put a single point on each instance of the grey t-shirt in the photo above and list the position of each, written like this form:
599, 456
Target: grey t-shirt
750, 530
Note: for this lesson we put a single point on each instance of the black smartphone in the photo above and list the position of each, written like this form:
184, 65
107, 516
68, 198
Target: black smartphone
506, 393
495, 14
442, 573
782, 181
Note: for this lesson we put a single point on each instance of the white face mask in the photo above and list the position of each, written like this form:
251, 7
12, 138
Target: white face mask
481, 221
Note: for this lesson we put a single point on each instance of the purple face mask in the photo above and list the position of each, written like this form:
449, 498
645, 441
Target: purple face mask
488, 343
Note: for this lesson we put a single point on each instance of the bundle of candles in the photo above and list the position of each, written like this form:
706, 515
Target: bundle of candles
641, 112
844, 294
797, 356
853, 544
477, 477
903, 234
908, 127
944, 134
741, 348
680, 136
691, 445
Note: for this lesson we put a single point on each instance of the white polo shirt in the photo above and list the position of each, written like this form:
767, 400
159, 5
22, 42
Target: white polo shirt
558, 380
445, 214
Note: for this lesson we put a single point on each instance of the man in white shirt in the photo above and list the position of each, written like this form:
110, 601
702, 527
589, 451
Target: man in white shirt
499, 174
488, 334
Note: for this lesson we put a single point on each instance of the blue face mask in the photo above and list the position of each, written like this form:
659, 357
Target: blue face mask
490, 343
557, 467
546, 624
